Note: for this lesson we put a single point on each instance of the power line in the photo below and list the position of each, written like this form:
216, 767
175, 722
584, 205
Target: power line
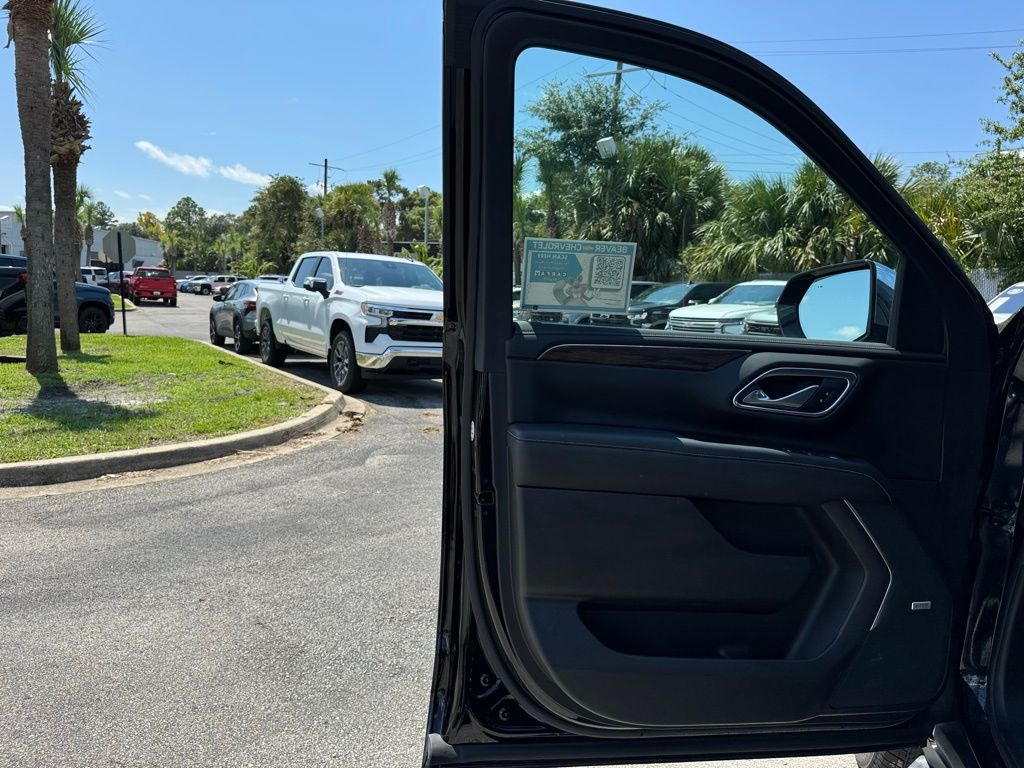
863, 51
880, 37
392, 143
711, 112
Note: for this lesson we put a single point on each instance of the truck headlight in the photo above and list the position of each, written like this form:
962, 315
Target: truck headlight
735, 327
375, 310
637, 316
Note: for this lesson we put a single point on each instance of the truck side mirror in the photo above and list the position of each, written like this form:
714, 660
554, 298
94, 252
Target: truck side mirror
316, 285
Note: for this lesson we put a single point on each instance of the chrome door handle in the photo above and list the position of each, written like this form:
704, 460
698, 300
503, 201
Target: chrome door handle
790, 402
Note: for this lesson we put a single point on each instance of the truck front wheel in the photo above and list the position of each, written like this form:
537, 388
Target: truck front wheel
341, 362
272, 352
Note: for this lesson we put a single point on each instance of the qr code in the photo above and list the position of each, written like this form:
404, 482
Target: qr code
608, 272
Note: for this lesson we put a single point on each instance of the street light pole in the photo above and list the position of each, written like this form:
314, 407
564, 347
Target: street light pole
424, 191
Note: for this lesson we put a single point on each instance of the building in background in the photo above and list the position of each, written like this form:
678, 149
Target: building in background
148, 253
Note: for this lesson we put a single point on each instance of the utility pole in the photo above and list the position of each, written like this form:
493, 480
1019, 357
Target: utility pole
326, 167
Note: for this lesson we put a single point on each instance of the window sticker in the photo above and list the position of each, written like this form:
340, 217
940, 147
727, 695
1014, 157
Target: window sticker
577, 275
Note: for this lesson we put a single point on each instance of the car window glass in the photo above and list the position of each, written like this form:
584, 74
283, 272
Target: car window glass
625, 176
305, 269
391, 273
324, 270
231, 294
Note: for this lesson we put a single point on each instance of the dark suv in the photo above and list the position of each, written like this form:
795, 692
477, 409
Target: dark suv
95, 307
650, 309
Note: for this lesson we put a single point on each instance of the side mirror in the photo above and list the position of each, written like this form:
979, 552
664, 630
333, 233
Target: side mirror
316, 284
840, 302
218, 297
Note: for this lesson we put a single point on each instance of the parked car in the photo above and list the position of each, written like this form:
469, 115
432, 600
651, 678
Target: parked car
113, 282
220, 282
1006, 304
725, 313
94, 275
95, 307
764, 322
182, 282
271, 276
233, 316
200, 284
650, 309
153, 284
366, 315
636, 288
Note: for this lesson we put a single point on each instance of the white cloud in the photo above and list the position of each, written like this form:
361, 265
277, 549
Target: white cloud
190, 165
121, 194
315, 189
243, 175
144, 197
849, 332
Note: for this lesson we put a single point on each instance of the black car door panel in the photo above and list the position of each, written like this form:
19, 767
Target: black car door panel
635, 562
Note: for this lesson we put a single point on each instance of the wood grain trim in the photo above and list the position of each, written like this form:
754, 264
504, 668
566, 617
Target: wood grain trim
672, 358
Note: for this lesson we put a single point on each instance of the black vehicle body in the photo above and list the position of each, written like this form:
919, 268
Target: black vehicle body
654, 314
233, 315
95, 307
676, 577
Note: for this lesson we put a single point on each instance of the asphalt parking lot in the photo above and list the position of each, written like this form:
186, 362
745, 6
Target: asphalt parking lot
274, 614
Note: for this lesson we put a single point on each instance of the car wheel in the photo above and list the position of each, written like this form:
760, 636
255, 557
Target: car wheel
92, 320
271, 352
892, 758
206, 290
21, 325
167, 302
242, 344
341, 362
174, 301
215, 338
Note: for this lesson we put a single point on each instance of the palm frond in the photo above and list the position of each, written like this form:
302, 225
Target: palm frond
75, 31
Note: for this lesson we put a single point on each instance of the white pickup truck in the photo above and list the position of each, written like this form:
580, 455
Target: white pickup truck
366, 315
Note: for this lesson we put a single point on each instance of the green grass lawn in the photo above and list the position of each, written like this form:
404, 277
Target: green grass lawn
128, 306
136, 391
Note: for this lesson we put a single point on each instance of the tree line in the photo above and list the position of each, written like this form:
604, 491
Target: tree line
282, 221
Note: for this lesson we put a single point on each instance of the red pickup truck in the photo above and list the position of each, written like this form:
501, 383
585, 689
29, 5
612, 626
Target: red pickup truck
153, 284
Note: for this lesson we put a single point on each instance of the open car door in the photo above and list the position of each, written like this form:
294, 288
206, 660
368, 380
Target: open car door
747, 533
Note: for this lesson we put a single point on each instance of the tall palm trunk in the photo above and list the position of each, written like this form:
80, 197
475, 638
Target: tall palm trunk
67, 241
29, 28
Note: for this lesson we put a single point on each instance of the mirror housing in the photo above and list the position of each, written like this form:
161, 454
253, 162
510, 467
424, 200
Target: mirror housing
218, 297
316, 285
812, 302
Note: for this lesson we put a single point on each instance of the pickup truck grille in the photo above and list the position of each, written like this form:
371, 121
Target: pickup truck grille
415, 333
607, 318
768, 329
699, 326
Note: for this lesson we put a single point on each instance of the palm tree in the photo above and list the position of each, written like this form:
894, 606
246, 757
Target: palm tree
234, 243
74, 27
86, 208
29, 28
549, 175
655, 193
388, 187
170, 241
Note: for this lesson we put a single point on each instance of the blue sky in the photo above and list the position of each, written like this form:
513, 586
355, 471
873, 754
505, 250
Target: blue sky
205, 99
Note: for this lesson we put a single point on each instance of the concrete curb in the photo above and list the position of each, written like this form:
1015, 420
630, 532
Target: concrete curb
70, 468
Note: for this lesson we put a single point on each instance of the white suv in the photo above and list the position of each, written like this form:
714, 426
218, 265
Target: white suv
366, 315
94, 275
